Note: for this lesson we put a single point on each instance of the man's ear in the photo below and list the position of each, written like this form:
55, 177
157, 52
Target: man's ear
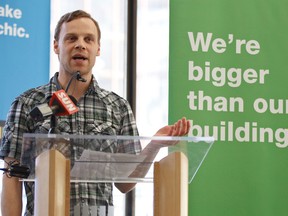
98, 51
56, 47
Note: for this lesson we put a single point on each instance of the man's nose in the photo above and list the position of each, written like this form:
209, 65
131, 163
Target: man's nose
80, 45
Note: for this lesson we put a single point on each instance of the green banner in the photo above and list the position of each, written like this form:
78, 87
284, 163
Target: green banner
228, 75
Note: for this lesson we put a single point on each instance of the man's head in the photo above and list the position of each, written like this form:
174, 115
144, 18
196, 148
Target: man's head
68, 17
77, 43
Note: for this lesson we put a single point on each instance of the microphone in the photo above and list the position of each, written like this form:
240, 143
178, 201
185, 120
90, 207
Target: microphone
60, 104
16, 170
64, 103
78, 77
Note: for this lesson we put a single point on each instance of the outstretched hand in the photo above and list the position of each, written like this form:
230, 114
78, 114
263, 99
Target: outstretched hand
180, 128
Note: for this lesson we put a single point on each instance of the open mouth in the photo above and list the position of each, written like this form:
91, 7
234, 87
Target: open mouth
79, 57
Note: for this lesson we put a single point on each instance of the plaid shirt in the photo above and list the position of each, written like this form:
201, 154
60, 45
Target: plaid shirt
100, 112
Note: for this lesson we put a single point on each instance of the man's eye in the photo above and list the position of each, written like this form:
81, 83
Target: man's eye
71, 38
89, 39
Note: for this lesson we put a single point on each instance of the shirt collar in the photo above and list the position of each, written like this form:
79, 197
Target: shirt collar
56, 85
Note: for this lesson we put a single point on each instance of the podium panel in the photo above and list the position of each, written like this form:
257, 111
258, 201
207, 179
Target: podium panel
53, 184
171, 185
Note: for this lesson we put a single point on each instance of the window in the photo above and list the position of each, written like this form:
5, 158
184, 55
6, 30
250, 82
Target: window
152, 81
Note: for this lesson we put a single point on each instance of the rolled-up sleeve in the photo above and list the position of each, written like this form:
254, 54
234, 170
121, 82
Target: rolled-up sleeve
15, 127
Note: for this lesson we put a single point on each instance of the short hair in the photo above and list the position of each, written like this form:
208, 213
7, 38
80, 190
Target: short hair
68, 17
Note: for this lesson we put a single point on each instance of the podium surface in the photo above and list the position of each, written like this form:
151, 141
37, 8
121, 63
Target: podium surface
98, 158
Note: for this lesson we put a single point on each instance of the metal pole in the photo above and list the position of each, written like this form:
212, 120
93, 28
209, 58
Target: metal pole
131, 81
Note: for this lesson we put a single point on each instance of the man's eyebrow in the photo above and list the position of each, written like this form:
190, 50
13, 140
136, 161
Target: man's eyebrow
69, 34
90, 35
75, 34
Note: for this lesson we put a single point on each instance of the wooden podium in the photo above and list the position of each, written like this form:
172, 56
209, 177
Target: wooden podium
52, 187
171, 185
52, 170
52, 184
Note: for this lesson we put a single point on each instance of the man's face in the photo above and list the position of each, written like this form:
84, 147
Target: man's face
78, 46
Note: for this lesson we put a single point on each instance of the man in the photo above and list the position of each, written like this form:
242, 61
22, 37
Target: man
77, 44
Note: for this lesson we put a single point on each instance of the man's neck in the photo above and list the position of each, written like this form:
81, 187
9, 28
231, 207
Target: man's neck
76, 88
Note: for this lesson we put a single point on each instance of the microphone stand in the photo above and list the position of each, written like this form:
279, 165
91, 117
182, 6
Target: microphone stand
53, 124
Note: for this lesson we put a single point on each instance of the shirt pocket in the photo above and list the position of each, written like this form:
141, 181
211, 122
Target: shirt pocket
105, 145
105, 128
63, 127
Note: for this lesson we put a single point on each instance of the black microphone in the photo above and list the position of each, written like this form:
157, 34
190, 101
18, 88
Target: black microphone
60, 104
78, 77
16, 170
